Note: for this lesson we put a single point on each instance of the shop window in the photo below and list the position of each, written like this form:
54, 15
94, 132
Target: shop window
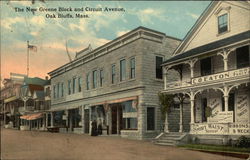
206, 66
223, 23
62, 89
150, 118
127, 107
129, 123
158, 67
58, 90
122, 70
242, 57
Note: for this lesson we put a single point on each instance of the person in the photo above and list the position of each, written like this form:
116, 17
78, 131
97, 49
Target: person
99, 128
94, 128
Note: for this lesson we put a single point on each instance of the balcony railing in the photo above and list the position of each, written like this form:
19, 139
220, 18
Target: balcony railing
28, 108
236, 74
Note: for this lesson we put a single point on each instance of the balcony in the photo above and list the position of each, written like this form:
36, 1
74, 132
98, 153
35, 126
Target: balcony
221, 77
28, 108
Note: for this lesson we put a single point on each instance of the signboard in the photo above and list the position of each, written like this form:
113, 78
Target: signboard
221, 76
239, 128
242, 109
221, 117
209, 128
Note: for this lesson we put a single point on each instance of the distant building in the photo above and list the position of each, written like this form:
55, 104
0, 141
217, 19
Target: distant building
115, 85
213, 67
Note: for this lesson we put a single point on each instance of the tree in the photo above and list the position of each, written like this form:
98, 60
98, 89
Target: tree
166, 101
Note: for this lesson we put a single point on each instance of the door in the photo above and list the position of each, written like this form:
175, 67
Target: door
114, 119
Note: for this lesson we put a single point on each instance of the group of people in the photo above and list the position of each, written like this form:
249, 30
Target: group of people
96, 129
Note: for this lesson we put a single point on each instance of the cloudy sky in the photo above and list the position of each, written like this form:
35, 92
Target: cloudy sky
50, 34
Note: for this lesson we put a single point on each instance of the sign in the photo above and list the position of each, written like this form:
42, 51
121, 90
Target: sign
209, 128
221, 117
221, 76
242, 109
239, 128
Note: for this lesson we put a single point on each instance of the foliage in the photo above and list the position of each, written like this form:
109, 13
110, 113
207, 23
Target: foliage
243, 141
217, 148
208, 111
166, 101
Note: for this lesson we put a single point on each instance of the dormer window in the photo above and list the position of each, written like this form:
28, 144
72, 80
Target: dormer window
223, 23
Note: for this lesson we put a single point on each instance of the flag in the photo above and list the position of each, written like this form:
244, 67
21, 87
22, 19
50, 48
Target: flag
32, 48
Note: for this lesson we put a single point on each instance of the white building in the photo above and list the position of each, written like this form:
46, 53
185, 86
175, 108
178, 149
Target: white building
213, 66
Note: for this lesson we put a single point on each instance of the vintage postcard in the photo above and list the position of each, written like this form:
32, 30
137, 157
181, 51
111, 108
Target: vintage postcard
121, 80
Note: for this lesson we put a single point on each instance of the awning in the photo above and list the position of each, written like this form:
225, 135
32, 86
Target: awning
32, 116
10, 99
117, 100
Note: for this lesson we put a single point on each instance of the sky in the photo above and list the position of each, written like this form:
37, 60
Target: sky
50, 35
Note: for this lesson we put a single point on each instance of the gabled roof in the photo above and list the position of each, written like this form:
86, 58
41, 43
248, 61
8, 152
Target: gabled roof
209, 47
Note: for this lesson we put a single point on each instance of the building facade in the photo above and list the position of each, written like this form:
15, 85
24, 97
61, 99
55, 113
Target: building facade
213, 66
115, 85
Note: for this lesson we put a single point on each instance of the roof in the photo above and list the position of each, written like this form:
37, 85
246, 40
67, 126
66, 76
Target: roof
35, 81
209, 47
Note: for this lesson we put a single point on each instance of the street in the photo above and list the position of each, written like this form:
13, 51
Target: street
33, 145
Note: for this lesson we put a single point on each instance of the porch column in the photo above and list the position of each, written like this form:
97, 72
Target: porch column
192, 109
165, 77
46, 120
83, 122
52, 119
192, 63
181, 121
226, 102
166, 123
224, 53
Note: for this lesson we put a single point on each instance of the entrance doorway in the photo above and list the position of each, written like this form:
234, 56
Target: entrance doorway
116, 115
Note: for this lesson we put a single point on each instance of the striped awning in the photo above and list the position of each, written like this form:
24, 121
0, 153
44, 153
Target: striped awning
32, 116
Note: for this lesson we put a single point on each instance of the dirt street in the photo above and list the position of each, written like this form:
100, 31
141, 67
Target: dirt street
32, 145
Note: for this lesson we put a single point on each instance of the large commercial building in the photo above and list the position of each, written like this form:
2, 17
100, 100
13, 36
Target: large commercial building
115, 85
213, 67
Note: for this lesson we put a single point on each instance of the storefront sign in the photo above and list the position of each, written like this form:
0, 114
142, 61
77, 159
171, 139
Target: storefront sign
242, 109
221, 117
239, 128
209, 128
221, 76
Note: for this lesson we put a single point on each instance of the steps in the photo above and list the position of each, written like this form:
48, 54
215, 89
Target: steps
169, 139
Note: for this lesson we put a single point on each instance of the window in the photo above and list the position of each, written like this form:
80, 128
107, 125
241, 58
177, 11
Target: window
101, 77
79, 84
122, 70
158, 67
206, 66
88, 81
74, 85
132, 68
242, 57
54, 91
62, 89
113, 74
95, 79
69, 87
129, 123
127, 107
58, 90
150, 118
222, 23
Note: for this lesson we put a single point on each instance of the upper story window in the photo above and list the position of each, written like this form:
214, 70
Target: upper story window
94, 78
122, 70
69, 87
158, 68
242, 57
79, 84
132, 68
88, 81
101, 77
74, 85
54, 91
206, 66
223, 23
58, 90
113, 74
62, 89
